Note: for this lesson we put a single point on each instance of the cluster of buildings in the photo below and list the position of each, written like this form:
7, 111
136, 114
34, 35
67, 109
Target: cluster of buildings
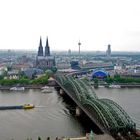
124, 64
31, 63
12, 64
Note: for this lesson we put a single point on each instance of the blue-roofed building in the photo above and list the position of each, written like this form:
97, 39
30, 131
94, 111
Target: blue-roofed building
99, 73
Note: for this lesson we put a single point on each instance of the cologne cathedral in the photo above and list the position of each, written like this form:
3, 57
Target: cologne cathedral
44, 59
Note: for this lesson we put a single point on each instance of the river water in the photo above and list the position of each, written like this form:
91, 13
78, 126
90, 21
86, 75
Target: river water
51, 116
127, 98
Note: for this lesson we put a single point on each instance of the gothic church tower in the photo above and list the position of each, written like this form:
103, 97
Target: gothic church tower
47, 48
40, 49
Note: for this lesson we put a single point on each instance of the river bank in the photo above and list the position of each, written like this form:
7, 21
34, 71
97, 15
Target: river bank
124, 85
53, 85
25, 86
30, 86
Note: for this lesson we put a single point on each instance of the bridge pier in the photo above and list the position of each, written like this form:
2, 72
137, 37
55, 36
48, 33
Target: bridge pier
61, 91
78, 111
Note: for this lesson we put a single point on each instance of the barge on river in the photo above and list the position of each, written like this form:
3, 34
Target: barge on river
25, 106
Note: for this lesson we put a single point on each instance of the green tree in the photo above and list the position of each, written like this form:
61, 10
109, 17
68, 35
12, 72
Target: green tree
85, 79
8, 82
109, 80
96, 82
24, 81
40, 80
49, 73
54, 69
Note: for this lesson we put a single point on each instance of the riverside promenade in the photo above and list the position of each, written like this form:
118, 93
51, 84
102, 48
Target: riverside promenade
124, 85
26, 86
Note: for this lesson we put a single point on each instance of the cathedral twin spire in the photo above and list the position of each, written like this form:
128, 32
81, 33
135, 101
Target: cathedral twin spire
47, 48
40, 49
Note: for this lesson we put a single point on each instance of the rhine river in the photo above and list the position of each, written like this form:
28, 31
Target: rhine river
51, 116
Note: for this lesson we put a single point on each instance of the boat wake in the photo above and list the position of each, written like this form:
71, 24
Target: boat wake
40, 106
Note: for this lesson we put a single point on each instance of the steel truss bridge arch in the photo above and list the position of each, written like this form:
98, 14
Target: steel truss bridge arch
107, 114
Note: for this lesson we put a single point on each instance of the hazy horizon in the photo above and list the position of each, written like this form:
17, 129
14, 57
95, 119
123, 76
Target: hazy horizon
77, 51
95, 23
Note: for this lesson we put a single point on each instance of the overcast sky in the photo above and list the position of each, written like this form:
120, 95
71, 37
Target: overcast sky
96, 23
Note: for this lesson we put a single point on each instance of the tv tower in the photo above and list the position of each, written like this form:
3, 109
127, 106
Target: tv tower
79, 44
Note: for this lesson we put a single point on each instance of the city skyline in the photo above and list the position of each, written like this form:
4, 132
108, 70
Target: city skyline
95, 23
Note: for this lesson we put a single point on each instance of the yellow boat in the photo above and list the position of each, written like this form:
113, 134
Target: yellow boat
28, 106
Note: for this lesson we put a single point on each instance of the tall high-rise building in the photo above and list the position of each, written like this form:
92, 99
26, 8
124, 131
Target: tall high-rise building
40, 48
69, 52
45, 61
108, 51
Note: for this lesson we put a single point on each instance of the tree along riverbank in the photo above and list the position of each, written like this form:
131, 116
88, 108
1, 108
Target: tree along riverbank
122, 80
117, 80
24, 81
